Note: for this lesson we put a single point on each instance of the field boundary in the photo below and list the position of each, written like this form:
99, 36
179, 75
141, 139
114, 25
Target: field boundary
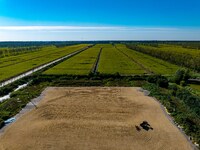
141, 65
168, 116
96, 64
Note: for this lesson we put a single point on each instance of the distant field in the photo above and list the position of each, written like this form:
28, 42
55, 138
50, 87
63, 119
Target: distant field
112, 61
150, 63
14, 65
175, 54
80, 64
6, 52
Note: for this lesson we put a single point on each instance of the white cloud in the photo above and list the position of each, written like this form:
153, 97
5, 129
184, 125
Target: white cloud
78, 28
56, 33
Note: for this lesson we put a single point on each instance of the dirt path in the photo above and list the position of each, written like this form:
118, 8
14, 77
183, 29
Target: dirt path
92, 118
96, 64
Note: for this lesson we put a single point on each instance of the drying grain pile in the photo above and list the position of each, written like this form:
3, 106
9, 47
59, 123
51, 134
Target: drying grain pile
92, 118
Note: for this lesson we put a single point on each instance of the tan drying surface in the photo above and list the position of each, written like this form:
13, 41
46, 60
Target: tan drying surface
93, 119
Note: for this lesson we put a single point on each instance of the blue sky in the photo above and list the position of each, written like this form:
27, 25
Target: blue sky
99, 20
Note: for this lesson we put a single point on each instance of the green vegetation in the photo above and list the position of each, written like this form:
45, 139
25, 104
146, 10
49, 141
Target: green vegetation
182, 76
190, 45
5, 52
175, 54
13, 44
195, 86
10, 88
80, 64
19, 100
14, 65
180, 103
113, 61
151, 64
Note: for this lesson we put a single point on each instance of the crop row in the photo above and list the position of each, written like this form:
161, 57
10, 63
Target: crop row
80, 64
14, 65
112, 61
178, 55
149, 63
6, 52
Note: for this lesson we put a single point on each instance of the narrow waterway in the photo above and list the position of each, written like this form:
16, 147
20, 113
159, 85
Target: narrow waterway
8, 95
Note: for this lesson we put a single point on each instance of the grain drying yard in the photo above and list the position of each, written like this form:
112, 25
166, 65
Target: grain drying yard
95, 118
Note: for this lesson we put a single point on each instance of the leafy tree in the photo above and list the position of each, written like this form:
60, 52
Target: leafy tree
182, 76
161, 81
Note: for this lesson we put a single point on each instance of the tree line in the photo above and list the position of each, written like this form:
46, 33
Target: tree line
181, 57
15, 51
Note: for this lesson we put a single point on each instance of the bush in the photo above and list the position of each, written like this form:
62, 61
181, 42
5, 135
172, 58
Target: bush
183, 83
173, 88
2, 124
190, 100
161, 81
182, 75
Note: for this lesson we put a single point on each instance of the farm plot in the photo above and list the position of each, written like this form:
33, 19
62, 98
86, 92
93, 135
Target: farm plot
11, 60
80, 64
178, 55
113, 61
155, 65
14, 65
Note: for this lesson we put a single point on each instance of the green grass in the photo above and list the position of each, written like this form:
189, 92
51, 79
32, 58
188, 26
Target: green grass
14, 65
80, 64
112, 61
196, 88
153, 64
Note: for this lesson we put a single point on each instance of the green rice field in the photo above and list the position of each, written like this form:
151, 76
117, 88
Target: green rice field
15, 65
153, 64
80, 64
113, 59
105, 58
